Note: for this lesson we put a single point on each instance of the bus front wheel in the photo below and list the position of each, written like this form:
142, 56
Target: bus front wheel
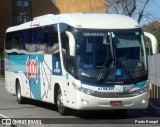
61, 107
20, 99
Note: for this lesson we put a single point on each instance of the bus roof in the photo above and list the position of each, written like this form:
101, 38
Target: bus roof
81, 20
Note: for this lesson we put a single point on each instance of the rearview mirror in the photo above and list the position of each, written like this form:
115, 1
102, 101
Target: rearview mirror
71, 43
154, 42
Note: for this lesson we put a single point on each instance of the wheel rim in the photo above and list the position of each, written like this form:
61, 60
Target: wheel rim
59, 100
18, 93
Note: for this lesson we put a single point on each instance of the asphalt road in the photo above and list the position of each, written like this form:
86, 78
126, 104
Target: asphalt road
47, 113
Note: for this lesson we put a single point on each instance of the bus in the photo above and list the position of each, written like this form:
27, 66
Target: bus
82, 61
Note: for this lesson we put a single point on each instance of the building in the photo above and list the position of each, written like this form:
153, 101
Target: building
14, 12
81, 5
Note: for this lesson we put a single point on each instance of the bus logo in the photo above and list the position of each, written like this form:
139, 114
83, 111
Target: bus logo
127, 87
116, 95
32, 68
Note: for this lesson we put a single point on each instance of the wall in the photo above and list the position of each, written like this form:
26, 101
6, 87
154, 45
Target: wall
5, 19
42, 7
81, 5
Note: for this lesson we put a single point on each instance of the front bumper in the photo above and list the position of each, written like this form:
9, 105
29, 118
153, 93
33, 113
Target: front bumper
88, 102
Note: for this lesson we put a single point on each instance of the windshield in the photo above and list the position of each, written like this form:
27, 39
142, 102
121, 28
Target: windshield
110, 55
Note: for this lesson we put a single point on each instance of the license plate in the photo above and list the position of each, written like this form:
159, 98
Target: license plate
116, 103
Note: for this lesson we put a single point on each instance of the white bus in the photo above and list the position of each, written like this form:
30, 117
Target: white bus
83, 61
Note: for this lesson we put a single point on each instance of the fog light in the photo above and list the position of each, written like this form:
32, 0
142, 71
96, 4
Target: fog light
84, 102
143, 102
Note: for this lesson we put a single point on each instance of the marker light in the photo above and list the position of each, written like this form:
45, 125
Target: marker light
84, 102
143, 102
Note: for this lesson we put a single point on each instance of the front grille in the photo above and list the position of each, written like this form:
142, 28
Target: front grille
114, 95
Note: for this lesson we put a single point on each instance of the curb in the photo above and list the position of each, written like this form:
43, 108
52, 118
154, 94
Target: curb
153, 108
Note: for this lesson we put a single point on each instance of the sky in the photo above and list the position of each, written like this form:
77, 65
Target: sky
154, 8
152, 11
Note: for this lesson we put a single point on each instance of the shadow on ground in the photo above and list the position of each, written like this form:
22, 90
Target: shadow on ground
94, 114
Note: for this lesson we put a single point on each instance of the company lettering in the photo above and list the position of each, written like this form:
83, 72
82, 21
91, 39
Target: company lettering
32, 68
127, 87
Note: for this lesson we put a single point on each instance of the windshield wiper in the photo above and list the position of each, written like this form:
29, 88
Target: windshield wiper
99, 77
103, 67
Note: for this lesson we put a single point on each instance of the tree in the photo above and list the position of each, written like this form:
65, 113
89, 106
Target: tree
138, 9
157, 34
153, 28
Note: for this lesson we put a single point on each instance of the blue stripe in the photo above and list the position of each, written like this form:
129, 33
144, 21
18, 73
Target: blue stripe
97, 85
139, 84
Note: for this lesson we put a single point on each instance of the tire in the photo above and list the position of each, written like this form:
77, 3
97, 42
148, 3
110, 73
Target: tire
59, 102
121, 111
20, 99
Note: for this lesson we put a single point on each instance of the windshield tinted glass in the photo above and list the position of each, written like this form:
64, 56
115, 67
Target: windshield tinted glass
110, 55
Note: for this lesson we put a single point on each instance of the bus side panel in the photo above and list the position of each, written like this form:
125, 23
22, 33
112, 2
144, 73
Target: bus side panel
71, 94
51, 74
10, 82
15, 68
9, 76
46, 79
25, 86
37, 74
33, 74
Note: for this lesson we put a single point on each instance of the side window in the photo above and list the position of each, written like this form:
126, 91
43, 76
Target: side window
64, 41
30, 40
21, 42
52, 37
40, 42
34, 40
17, 41
8, 41
14, 40
69, 61
27, 39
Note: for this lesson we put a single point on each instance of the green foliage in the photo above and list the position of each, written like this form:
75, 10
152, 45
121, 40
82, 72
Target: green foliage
151, 28
157, 34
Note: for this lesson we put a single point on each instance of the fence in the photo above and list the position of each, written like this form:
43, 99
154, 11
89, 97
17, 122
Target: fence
154, 76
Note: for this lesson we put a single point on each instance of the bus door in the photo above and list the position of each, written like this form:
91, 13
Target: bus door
70, 90
70, 64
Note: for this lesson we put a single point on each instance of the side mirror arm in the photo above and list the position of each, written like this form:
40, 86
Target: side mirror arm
154, 42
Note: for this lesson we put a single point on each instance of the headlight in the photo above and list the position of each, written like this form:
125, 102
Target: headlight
83, 90
141, 91
86, 91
